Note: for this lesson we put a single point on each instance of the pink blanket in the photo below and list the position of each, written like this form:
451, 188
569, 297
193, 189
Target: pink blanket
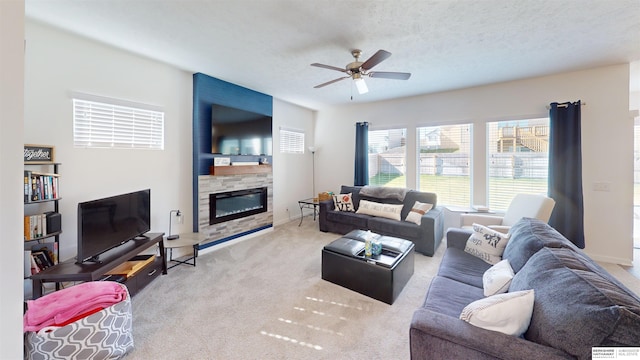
60, 306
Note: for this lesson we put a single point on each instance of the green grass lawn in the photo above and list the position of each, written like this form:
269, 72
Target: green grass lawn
455, 190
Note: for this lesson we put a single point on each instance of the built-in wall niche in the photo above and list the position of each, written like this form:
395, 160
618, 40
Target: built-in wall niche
207, 92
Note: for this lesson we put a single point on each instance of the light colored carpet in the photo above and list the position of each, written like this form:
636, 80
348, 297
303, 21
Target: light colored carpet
263, 298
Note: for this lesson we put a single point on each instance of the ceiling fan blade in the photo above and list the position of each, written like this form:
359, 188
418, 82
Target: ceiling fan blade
376, 59
390, 75
330, 82
329, 67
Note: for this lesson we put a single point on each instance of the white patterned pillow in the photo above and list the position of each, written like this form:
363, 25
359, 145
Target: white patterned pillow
416, 212
487, 244
508, 313
343, 202
389, 211
496, 279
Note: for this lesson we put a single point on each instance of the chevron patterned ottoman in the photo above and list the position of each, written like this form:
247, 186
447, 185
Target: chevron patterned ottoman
106, 334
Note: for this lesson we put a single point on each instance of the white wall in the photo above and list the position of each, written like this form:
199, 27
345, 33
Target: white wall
58, 63
607, 135
292, 173
634, 85
11, 130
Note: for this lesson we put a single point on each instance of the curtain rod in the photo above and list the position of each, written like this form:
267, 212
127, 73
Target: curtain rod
564, 105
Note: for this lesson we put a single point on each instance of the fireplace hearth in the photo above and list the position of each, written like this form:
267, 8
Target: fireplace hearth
237, 204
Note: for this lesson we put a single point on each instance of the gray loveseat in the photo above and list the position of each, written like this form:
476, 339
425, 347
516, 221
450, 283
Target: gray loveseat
426, 236
578, 305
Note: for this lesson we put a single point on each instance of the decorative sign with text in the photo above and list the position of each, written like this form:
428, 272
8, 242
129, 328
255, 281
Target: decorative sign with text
38, 153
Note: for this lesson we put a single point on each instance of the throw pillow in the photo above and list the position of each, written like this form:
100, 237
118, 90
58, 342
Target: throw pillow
496, 279
389, 211
416, 212
343, 202
487, 244
508, 313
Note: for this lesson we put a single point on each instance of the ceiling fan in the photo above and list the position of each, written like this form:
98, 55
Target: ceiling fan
357, 69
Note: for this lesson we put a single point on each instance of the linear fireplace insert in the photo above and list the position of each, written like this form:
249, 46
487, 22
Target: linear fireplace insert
232, 205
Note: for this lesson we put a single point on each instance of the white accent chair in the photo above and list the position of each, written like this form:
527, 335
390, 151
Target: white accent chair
522, 205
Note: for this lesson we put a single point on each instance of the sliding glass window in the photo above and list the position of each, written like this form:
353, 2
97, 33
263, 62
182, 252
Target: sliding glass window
517, 160
444, 162
387, 157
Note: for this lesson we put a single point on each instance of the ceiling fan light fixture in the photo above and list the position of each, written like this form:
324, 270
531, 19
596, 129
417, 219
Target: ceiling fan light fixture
357, 69
360, 84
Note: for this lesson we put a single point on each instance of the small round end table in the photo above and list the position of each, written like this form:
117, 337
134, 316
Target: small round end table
185, 240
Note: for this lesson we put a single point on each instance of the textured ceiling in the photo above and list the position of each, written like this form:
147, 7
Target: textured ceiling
268, 45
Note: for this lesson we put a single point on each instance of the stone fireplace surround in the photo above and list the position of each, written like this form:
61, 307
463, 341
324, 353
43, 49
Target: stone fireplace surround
217, 233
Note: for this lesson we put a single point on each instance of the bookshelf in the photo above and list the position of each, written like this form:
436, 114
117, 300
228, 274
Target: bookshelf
42, 219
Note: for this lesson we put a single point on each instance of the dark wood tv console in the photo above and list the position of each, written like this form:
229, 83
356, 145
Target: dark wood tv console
91, 271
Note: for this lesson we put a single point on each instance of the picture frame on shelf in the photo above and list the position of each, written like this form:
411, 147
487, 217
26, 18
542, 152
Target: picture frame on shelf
38, 154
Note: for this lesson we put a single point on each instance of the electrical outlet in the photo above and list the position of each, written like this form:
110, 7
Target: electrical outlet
602, 186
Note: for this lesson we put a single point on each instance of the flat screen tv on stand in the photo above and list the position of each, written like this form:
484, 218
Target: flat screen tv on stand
104, 224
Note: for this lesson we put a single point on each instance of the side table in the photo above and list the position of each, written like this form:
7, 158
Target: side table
185, 240
310, 203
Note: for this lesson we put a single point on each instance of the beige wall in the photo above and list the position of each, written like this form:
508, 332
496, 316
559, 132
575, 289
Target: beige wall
606, 123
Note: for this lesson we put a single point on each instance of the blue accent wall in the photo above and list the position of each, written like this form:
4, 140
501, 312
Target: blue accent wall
208, 90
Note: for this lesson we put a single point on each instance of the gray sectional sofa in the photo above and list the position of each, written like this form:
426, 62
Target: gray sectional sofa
578, 305
426, 236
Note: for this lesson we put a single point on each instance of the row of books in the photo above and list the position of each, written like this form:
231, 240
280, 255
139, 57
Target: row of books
40, 186
35, 226
40, 257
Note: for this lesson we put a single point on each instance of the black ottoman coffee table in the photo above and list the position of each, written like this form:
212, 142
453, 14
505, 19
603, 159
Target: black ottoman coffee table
382, 277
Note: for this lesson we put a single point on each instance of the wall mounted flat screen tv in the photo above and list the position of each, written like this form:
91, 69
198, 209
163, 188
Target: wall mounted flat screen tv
109, 222
240, 132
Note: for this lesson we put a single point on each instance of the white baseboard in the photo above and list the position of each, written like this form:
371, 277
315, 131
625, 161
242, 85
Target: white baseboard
611, 259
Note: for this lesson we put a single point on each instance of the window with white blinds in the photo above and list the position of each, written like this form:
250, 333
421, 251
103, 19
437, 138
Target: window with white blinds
517, 160
291, 141
387, 157
444, 162
110, 125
